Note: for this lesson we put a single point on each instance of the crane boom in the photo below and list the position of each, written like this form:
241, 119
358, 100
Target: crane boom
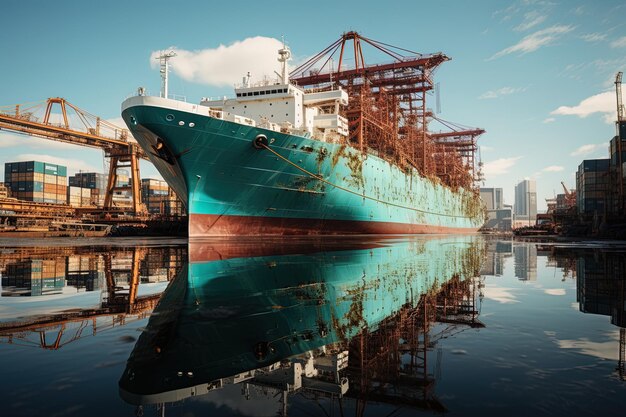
618, 93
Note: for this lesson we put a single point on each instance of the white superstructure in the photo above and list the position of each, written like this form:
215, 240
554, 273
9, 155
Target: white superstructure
283, 106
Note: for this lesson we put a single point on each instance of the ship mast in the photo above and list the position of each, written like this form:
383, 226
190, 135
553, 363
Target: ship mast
164, 58
284, 55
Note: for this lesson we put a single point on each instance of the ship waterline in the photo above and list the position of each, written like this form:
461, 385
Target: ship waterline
215, 225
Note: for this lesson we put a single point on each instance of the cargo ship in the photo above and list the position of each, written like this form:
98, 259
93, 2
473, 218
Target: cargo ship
279, 159
280, 315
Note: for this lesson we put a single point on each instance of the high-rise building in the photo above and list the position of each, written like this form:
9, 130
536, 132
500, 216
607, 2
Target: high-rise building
525, 208
492, 197
498, 215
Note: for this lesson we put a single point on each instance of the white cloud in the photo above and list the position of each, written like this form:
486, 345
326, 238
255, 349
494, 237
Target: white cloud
553, 168
499, 166
73, 165
593, 37
118, 121
501, 92
554, 291
549, 120
11, 140
226, 65
586, 149
531, 19
604, 350
535, 40
600, 103
619, 43
499, 294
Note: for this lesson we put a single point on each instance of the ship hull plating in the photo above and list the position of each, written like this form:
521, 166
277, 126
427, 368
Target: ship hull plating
294, 186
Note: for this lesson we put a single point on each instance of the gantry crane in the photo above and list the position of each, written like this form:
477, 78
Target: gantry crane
96, 133
387, 106
620, 128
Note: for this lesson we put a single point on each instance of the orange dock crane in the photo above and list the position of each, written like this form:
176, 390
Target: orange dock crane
570, 197
95, 133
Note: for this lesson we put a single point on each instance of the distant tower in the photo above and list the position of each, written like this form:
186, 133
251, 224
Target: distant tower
526, 201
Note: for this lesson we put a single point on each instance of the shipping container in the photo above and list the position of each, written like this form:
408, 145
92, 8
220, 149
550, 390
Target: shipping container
50, 168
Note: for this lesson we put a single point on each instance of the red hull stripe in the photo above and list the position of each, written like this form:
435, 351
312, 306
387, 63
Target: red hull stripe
202, 225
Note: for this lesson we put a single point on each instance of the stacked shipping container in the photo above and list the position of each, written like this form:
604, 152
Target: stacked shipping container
36, 181
4, 191
85, 272
87, 189
159, 198
592, 185
34, 277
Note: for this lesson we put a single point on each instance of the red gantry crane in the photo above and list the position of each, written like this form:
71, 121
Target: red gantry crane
387, 109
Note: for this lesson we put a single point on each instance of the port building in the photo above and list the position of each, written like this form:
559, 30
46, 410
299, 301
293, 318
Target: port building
498, 214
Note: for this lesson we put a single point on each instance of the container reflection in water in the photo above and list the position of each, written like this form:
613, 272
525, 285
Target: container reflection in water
83, 290
313, 318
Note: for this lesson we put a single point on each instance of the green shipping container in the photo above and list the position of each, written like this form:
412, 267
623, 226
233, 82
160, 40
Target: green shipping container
39, 167
50, 169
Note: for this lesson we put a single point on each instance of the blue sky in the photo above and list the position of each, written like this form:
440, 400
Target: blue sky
537, 75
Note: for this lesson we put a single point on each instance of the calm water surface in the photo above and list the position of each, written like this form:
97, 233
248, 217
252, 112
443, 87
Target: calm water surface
359, 326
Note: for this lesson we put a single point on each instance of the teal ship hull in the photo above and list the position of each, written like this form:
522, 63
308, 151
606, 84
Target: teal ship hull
225, 317
238, 179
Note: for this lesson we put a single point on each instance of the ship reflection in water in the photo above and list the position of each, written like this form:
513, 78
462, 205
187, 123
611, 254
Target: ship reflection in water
412, 325
338, 322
